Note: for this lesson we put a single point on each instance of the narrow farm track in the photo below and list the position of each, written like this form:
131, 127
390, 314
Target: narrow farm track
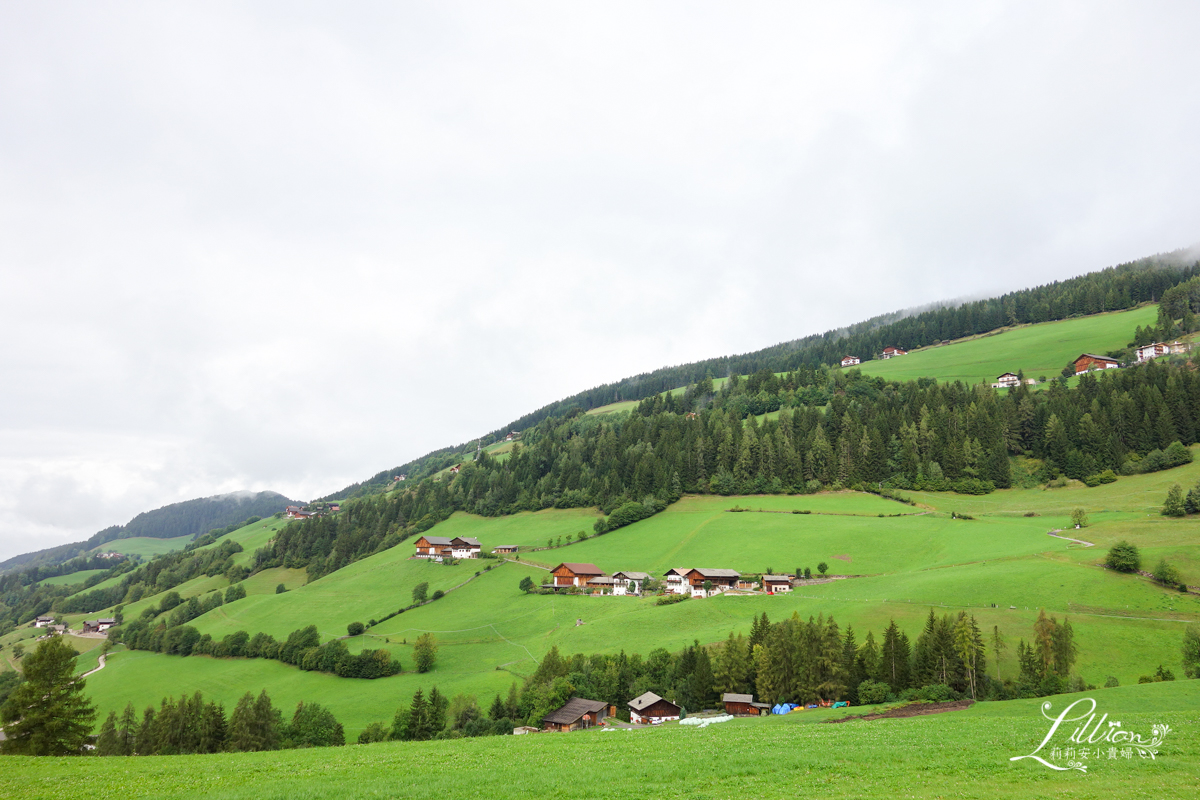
103, 658
1057, 534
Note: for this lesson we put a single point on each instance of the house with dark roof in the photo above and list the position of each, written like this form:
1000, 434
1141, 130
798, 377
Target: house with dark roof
1090, 361
743, 705
465, 547
721, 580
435, 547
43, 622
573, 574
650, 709
577, 713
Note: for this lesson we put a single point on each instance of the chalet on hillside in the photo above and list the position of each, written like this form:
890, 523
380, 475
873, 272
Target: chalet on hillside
43, 622
577, 713
851, 361
650, 709
435, 547
571, 574
890, 352
465, 547
629, 582
296, 512
676, 580
1090, 361
1008, 380
777, 583
1157, 349
512, 436
743, 705
98, 625
722, 580
504, 548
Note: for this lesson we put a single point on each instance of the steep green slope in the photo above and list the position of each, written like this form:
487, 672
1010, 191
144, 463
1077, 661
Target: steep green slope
1039, 350
490, 633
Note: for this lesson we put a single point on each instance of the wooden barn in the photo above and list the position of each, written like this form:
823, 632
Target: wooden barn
504, 548
572, 574
436, 547
1089, 361
743, 705
722, 580
777, 583
577, 713
650, 709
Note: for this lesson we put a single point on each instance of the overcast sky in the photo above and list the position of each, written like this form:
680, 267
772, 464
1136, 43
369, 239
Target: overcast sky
287, 245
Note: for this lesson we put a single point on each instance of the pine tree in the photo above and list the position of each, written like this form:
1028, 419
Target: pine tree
108, 742
47, 714
893, 659
128, 731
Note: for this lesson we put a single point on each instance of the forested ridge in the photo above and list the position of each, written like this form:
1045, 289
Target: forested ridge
188, 518
1111, 289
833, 429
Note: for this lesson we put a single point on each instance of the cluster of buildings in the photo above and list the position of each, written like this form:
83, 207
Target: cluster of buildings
308, 512
888, 352
692, 581
1088, 362
439, 548
1151, 351
648, 709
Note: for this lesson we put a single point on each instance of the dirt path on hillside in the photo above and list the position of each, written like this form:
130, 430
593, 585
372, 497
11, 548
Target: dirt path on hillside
103, 658
912, 710
1057, 534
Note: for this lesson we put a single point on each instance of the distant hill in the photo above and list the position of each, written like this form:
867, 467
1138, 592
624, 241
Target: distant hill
189, 518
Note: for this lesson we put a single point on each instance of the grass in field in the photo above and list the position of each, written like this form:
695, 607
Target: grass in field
490, 633
1041, 349
73, 577
959, 754
145, 546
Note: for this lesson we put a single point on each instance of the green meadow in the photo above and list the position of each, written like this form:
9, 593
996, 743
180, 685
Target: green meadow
72, 577
145, 546
1001, 566
963, 754
1039, 350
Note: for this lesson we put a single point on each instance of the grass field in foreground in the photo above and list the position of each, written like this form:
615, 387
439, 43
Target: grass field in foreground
1041, 349
958, 754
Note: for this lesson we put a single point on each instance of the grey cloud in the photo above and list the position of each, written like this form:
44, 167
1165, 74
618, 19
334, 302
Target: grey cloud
255, 246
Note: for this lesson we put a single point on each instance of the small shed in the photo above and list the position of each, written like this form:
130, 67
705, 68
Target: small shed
777, 583
505, 548
577, 713
741, 705
650, 709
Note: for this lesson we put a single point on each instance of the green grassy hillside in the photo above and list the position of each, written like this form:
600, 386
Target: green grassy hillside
145, 546
958, 754
73, 577
1041, 349
491, 634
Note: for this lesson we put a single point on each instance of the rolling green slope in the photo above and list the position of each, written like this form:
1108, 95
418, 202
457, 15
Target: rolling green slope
490, 633
145, 546
1041, 349
73, 577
